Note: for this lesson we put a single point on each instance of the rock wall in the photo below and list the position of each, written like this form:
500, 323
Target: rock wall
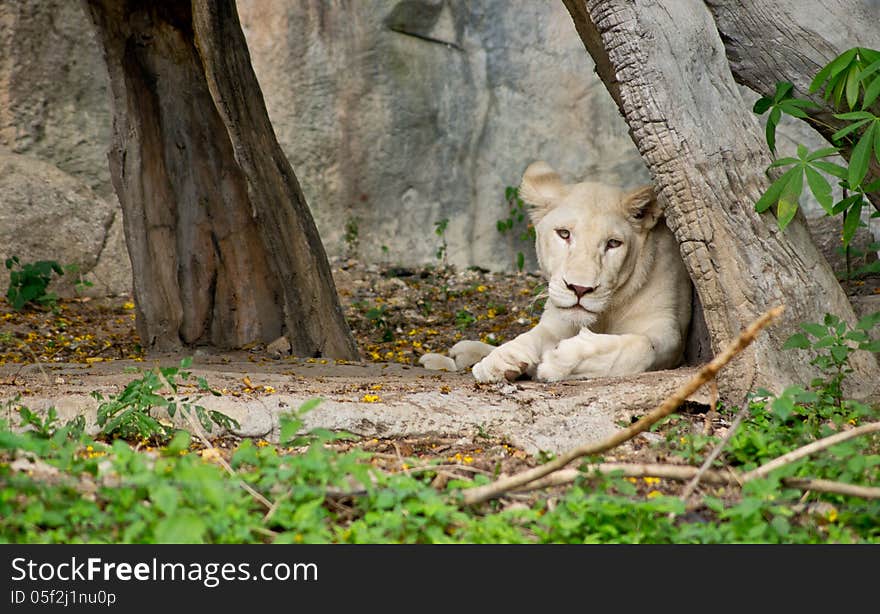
56, 201
395, 114
400, 114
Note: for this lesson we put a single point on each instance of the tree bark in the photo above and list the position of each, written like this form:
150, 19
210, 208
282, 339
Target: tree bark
665, 66
754, 32
223, 247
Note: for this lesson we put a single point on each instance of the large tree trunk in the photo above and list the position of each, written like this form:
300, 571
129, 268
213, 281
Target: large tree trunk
665, 66
755, 31
223, 247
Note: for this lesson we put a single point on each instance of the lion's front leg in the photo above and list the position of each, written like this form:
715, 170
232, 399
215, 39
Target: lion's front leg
510, 360
590, 354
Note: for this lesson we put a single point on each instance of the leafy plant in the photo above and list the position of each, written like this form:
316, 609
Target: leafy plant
853, 77
131, 413
28, 282
292, 425
517, 218
81, 282
43, 427
440, 231
464, 318
835, 342
351, 238
378, 316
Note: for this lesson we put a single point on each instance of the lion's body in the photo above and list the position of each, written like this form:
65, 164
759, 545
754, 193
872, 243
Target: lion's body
619, 297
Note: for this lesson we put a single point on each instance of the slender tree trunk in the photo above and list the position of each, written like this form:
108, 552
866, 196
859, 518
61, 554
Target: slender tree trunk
790, 40
665, 66
223, 247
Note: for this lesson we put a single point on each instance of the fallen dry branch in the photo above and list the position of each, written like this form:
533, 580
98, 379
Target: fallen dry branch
719, 477
836, 488
812, 448
479, 494
633, 470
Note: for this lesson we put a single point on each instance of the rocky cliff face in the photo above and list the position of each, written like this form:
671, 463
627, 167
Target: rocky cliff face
56, 199
395, 114
400, 114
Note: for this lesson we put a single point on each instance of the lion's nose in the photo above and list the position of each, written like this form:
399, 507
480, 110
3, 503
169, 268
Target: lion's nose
580, 291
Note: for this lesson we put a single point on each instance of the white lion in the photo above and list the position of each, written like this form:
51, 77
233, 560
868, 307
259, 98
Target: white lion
619, 297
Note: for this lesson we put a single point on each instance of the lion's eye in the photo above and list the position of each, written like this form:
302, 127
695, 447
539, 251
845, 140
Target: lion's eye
612, 243
563, 233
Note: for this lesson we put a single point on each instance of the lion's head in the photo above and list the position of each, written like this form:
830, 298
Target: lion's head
589, 238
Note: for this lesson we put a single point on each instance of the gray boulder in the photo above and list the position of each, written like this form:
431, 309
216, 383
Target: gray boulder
47, 214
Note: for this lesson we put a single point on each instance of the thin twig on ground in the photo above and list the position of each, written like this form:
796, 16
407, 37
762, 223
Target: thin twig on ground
633, 470
199, 432
812, 448
479, 494
716, 452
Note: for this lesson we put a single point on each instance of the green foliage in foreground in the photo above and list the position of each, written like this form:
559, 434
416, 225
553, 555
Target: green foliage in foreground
66, 487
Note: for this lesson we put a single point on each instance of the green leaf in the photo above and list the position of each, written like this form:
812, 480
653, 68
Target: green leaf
817, 330
798, 341
179, 443
800, 103
873, 346
851, 222
840, 353
783, 89
837, 92
861, 155
788, 200
793, 110
761, 106
871, 93
855, 115
289, 430
869, 321
183, 528
845, 204
822, 153
876, 148
309, 405
782, 407
771, 196
869, 70
874, 186
833, 68
820, 188
852, 86
770, 129
783, 162
852, 127
164, 497
869, 55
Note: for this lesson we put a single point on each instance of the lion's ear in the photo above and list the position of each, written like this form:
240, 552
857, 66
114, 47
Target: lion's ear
540, 188
642, 207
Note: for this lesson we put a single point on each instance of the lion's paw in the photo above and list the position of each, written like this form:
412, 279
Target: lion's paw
502, 364
555, 365
468, 353
549, 372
